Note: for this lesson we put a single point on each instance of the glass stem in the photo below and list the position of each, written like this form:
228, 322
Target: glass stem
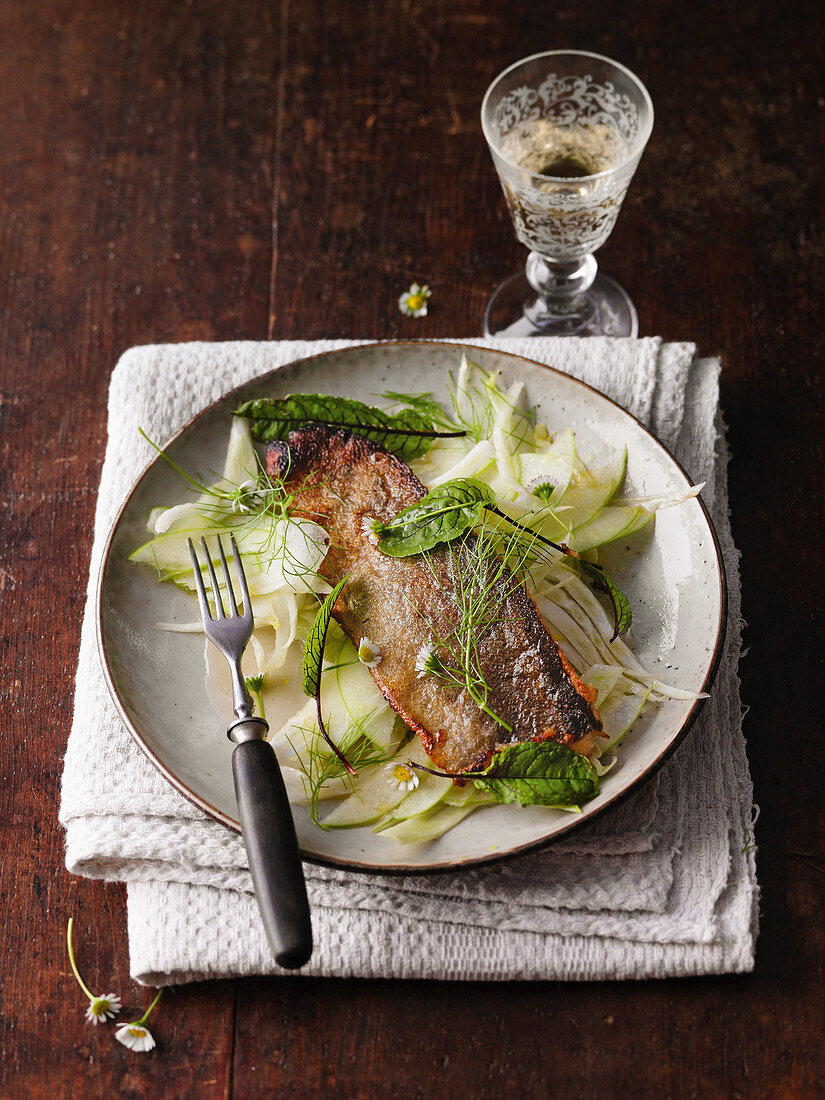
559, 283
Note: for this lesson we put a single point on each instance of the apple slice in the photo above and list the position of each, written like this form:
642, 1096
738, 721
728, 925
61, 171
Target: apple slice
552, 466
422, 830
378, 792
612, 471
603, 678
426, 796
613, 522
583, 503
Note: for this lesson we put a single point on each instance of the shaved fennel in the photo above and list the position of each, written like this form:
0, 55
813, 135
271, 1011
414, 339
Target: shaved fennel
540, 481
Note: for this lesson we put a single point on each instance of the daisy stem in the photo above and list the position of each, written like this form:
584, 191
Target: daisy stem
145, 1016
75, 971
259, 702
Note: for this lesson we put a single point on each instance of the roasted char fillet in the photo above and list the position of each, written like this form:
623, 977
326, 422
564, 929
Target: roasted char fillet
344, 482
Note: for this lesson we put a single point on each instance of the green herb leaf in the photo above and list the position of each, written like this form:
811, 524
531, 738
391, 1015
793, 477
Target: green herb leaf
539, 773
622, 615
448, 511
314, 648
313, 664
440, 516
426, 405
407, 433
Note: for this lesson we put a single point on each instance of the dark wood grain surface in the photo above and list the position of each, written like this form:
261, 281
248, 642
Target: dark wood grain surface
212, 170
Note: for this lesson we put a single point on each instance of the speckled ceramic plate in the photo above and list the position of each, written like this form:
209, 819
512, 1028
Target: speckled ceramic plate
673, 576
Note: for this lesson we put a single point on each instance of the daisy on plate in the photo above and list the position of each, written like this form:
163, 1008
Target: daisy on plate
369, 653
403, 776
428, 663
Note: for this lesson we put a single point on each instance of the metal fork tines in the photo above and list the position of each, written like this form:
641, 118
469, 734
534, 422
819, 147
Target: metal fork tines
229, 629
263, 805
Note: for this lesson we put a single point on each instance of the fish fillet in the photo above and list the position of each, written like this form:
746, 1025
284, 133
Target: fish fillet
344, 482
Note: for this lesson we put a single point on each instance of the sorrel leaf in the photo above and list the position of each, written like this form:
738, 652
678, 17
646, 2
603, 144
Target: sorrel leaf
441, 516
542, 773
407, 433
599, 580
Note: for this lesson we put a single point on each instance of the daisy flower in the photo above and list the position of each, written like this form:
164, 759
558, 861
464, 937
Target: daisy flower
368, 530
542, 488
413, 302
101, 1008
134, 1035
255, 684
427, 663
369, 653
403, 776
246, 496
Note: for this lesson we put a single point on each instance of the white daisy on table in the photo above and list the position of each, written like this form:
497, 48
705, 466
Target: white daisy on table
369, 653
101, 1008
413, 302
135, 1037
403, 776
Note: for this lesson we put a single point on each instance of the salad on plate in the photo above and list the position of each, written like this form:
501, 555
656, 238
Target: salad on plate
435, 631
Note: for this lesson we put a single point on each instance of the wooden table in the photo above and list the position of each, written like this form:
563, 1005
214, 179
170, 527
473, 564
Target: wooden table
204, 170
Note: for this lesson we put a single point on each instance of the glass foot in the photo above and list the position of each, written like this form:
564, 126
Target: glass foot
603, 310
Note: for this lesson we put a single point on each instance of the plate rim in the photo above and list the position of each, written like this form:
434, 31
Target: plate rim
445, 865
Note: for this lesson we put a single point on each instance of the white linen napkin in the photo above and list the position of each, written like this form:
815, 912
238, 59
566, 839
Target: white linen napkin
658, 886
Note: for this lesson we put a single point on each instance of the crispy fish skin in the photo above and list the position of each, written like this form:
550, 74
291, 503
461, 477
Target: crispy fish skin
345, 482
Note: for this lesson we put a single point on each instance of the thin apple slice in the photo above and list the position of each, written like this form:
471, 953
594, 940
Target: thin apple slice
584, 503
430, 791
603, 678
422, 830
612, 471
552, 466
613, 522
378, 792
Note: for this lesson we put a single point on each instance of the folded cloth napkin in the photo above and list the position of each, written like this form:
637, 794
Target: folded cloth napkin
661, 885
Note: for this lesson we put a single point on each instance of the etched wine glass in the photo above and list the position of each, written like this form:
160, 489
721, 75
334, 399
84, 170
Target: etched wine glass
566, 130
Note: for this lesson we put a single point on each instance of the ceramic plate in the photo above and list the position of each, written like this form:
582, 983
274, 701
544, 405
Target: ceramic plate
673, 577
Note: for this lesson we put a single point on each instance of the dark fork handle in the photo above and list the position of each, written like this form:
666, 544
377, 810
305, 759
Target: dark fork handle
272, 847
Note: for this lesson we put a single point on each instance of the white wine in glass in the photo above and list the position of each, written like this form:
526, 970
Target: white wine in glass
566, 131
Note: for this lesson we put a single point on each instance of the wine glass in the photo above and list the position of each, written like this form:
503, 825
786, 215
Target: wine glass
566, 130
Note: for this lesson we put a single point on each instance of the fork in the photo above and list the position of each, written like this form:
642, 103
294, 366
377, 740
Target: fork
266, 818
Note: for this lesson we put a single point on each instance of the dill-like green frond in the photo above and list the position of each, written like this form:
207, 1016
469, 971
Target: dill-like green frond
319, 766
